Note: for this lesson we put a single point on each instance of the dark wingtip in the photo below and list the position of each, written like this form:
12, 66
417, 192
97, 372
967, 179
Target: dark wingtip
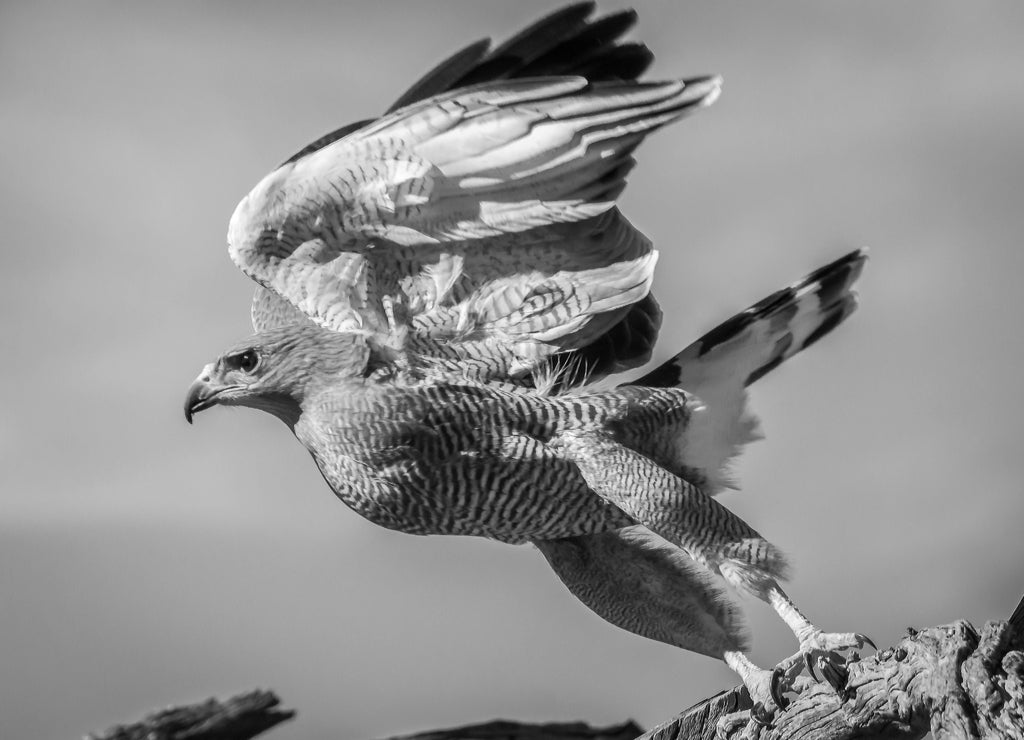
443, 75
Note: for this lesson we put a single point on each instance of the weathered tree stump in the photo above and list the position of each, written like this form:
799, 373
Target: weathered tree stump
949, 679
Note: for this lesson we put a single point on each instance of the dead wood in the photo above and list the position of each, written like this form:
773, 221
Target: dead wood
507, 730
949, 680
239, 718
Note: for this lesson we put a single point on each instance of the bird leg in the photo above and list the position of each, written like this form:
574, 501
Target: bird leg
818, 649
712, 536
766, 689
640, 582
762, 686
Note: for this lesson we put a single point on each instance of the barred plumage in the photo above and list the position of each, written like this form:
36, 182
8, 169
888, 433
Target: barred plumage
440, 286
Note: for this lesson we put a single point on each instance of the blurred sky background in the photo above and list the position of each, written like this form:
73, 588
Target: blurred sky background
144, 562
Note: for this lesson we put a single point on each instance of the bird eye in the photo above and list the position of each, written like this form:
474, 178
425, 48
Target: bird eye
246, 361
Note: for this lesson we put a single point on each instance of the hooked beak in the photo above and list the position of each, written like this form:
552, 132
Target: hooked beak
202, 394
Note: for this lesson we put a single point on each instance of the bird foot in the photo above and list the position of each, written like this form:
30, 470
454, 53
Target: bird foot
730, 724
822, 652
759, 718
766, 689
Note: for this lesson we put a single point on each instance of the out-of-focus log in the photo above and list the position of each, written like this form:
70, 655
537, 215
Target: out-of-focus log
949, 680
239, 718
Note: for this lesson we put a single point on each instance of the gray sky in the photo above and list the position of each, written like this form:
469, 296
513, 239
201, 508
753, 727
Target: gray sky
144, 562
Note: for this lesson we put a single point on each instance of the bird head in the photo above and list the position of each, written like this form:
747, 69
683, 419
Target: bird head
277, 369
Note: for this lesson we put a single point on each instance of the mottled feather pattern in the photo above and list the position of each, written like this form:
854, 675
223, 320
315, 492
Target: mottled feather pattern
647, 585
770, 331
439, 289
457, 442
675, 509
493, 165
568, 41
722, 363
424, 439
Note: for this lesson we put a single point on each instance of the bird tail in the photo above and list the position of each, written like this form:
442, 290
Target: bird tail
719, 366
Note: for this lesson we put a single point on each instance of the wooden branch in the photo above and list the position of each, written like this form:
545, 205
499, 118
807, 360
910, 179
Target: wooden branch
700, 721
239, 718
948, 679
506, 730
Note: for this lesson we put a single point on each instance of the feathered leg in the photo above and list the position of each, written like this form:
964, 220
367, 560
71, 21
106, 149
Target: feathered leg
817, 649
638, 581
714, 537
641, 583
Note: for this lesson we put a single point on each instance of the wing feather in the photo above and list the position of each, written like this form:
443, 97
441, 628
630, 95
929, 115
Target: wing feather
481, 199
445, 75
594, 40
550, 32
376, 229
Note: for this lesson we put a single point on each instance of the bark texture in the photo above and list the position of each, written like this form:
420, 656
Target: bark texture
951, 680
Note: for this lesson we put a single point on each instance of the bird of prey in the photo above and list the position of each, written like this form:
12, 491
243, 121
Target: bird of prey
439, 290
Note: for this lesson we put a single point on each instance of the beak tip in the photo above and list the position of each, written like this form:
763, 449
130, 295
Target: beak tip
200, 396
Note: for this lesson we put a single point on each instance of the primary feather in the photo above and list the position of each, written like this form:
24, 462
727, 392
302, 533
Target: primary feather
438, 299
440, 286
434, 225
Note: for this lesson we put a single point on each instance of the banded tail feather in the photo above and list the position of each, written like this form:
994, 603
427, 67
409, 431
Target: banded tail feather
758, 339
719, 366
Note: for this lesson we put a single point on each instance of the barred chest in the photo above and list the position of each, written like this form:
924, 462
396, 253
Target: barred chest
441, 461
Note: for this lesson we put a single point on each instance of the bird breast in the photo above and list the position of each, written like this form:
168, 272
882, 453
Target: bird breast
463, 459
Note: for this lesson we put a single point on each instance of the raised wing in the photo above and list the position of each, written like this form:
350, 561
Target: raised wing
477, 226
564, 42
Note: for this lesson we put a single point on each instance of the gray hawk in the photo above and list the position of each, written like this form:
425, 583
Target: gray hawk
439, 289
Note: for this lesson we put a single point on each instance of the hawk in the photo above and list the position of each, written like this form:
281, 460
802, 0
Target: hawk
441, 287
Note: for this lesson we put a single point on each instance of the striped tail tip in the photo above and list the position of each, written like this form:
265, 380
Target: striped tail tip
757, 340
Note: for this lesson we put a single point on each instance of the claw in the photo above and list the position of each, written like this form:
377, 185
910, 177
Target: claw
775, 689
835, 673
810, 666
866, 639
728, 724
760, 715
